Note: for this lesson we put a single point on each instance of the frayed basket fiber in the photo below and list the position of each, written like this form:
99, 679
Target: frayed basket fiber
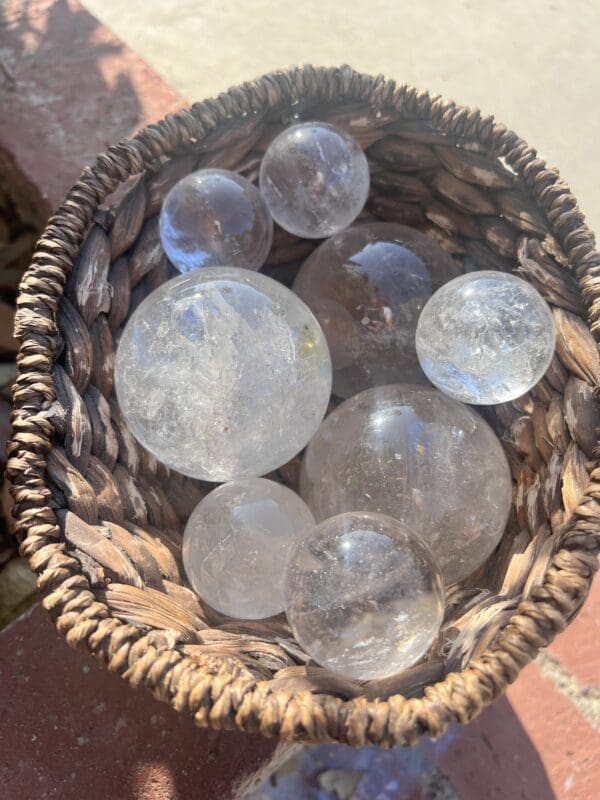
100, 520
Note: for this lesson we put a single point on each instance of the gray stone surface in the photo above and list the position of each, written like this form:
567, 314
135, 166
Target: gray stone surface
336, 772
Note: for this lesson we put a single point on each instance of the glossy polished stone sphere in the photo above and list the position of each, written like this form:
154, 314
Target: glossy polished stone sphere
223, 373
215, 218
364, 596
315, 179
367, 287
420, 457
486, 337
237, 544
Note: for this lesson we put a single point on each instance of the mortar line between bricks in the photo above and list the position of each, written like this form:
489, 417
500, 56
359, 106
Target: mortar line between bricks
585, 698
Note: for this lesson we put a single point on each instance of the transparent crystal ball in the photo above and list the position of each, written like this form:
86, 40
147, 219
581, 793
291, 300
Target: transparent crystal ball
214, 218
367, 287
223, 373
420, 457
365, 596
315, 179
486, 337
237, 544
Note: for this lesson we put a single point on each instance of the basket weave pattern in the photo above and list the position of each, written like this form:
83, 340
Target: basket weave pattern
100, 520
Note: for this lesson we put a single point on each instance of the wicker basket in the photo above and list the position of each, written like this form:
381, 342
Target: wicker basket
100, 520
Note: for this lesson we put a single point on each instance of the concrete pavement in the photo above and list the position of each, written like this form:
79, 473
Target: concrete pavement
534, 64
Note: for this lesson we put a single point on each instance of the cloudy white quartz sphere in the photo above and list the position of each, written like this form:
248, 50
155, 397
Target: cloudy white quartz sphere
214, 218
364, 596
223, 373
420, 457
486, 337
237, 544
315, 179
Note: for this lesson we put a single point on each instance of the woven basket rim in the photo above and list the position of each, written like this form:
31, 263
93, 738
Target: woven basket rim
150, 659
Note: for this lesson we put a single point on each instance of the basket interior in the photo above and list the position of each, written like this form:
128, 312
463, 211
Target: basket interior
122, 513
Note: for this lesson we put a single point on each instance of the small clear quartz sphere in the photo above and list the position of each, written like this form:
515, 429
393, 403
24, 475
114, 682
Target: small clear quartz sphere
237, 544
367, 287
315, 179
215, 218
223, 374
486, 337
365, 596
420, 457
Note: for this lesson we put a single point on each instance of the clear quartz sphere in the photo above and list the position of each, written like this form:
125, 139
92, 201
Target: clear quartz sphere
237, 544
315, 179
214, 218
486, 337
420, 457
365, 596
223, 373
367, 287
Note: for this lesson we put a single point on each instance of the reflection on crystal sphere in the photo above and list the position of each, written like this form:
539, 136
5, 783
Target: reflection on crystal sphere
364, 596
315, 179
420, 457
486, 337
237, 544
367, 287
215, 218
223, 373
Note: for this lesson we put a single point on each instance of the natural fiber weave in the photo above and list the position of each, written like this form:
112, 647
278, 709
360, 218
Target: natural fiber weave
100, 520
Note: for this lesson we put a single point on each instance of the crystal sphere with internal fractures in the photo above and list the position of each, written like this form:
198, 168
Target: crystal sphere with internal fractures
364, 596
223, 373
315, 179
486, 337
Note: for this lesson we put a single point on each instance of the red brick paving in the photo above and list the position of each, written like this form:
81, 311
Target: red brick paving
77, 89
578, 647
531, 744
72, 730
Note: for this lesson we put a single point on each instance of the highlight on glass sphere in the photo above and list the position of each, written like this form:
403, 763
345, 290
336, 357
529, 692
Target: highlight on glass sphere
215, 218
367, 287
486, 337
315, 179
223, 373
365, 596
421, 457
237, 544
